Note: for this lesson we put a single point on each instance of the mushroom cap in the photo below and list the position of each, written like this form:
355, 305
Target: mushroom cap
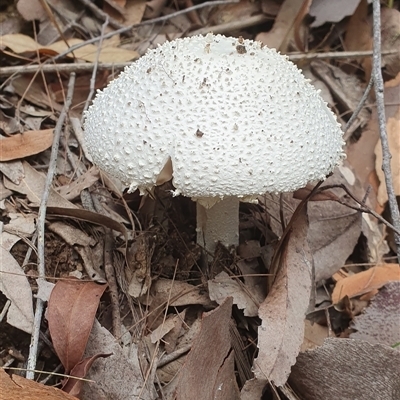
234, 117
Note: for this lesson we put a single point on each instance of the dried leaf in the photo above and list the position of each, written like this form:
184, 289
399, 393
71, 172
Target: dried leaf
347, 369
178, 292
393, 129
89, 216
25, 144
17, 387
15, 286
20, 43
379, 323
327, 11
19, 226
70, 313
32, 185
74, 189
366, 281
115, 377
31, 10
278, 36
223, 286
209, 351
74, 386
283, 311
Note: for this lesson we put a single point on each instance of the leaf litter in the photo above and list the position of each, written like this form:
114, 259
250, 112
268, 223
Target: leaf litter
186, 328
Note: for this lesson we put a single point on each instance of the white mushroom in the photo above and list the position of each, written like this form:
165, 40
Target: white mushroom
235, 120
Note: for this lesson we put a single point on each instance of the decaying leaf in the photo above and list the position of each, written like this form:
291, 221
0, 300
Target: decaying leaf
380, 321
283, 311
116, 377
70, 313
15, 286
25, 144
347, 369
365, 281
17, 387
204, 370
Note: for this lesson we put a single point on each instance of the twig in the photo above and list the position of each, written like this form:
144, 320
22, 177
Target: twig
359, 107
362, 207
94, 73
33, 347
380, 105
112, 282
101, 14
149, 22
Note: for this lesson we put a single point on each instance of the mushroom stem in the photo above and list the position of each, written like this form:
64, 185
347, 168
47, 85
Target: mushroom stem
220, 223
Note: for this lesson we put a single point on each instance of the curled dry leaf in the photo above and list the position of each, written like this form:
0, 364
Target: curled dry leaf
347, 369
283, 312
25, 144
17, 387
15, 286
365, 281
70, 313
380, 321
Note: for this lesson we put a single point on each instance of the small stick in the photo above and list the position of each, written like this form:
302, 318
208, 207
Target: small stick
33, 347
380, 105
94, 72
359, 107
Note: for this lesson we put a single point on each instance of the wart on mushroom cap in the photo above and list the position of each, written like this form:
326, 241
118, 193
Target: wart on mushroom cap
235, 119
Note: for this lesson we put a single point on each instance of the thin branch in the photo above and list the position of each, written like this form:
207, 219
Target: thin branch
359, 107
380, 105
33, 347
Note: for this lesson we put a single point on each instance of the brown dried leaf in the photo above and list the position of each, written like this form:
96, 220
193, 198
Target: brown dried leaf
366, 281
25, 144
70, 313
379, 323
283, 312
347, 369
17, 387
200, 373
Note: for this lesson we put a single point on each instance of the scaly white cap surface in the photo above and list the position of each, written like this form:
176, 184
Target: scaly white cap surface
235, 118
